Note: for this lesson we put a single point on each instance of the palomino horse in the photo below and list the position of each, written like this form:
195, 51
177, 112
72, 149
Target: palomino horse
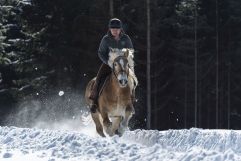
115, 106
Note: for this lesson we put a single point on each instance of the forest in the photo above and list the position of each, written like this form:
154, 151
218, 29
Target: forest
187, 59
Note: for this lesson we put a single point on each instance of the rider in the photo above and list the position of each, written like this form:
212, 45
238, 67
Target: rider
115, 38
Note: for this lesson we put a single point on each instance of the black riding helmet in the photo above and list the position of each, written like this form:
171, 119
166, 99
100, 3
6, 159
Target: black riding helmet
115, 23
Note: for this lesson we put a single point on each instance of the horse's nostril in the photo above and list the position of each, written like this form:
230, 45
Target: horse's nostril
123, 81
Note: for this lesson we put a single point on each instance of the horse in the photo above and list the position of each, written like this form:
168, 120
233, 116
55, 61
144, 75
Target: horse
115, 105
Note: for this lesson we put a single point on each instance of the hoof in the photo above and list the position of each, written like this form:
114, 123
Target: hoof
108, 129
102, 135
121, 130
118, 133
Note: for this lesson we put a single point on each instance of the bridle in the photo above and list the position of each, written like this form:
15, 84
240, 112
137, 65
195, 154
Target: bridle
121, 69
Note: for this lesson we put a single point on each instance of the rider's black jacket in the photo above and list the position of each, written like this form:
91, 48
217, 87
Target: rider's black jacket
109, 41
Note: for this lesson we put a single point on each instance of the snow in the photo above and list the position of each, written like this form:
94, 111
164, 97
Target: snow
61, 93
35, 144
25, 2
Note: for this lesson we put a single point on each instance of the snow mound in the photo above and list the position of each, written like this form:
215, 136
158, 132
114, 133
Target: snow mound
24, 144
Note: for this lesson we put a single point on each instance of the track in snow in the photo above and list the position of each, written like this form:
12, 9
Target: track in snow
56, 145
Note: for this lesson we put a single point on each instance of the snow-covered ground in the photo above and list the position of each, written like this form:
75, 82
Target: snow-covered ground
34, 144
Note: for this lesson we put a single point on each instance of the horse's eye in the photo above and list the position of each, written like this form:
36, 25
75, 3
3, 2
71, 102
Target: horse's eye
115, 64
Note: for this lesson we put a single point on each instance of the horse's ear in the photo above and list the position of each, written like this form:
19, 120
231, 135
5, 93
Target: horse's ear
126, 53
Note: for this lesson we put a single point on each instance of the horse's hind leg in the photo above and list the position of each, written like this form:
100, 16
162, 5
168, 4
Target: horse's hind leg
99, 127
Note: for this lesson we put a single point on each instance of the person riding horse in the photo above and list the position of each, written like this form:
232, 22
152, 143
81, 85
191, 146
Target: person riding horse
115, 38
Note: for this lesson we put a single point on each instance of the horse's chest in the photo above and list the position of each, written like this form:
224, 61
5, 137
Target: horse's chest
117, 110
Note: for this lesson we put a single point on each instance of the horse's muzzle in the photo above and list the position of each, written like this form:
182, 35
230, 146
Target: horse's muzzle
123, 82
122, 79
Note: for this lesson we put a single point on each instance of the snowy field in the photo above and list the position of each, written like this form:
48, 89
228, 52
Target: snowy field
34, 144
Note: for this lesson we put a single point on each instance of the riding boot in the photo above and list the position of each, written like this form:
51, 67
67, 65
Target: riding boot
103, 72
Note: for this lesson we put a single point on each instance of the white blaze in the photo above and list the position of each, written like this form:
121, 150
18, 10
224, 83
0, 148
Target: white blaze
122, 63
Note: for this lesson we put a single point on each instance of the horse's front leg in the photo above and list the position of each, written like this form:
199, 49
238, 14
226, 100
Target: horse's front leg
107, 124
124, 124
116, 124
99, 127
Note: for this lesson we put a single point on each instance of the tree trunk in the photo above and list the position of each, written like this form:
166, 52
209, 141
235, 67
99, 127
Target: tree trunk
148, 65
186, 101
111, 8
229, 81
229, 67
196, 67
217, 68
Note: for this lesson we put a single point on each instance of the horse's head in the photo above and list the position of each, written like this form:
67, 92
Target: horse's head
119, 61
